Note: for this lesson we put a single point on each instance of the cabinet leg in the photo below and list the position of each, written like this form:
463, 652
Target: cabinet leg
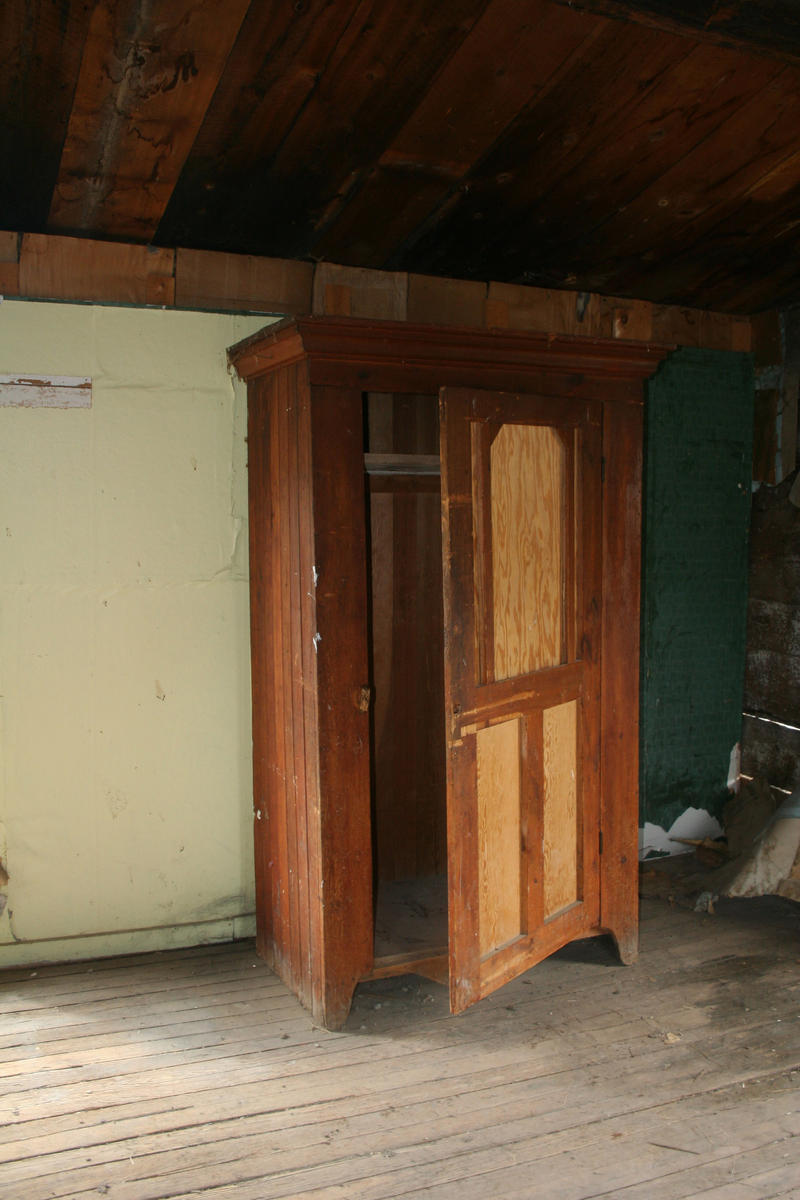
332, 1010
626, 940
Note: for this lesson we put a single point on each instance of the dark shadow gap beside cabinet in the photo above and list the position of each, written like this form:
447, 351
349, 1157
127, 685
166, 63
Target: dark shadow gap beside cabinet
444, 556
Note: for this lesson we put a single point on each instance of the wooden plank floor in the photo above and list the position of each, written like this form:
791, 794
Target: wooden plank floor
195, 1074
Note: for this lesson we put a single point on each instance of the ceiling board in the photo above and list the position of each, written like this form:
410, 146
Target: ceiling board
376, 64
590, 106
40, 55
710, 184
513, 54
766, 26
147, 75
636, 147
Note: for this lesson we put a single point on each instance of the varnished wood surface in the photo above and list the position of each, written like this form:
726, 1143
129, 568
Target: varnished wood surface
338, 646
308, 599
404, 357
621, 546
196, 1073
501, 919
286, 825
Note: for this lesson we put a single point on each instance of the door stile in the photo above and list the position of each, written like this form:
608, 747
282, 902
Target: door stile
572, 577
533, 831
481, 445
459, 672
589, 551
462, 875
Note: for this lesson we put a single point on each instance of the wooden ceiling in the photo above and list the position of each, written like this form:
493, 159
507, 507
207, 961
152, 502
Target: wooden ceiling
645, 149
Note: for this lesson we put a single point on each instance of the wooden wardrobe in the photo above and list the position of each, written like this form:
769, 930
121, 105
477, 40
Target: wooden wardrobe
444, 555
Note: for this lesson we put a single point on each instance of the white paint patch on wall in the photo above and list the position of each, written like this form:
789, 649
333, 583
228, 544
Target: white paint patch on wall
53, 391
693, 823
125, 785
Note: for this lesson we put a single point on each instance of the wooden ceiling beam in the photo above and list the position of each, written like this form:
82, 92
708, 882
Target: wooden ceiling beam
148, 74
758, 26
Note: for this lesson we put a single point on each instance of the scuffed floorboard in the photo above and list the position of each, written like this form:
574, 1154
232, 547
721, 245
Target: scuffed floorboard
195, 1074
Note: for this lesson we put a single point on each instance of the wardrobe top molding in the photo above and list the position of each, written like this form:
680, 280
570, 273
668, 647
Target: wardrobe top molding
399, 356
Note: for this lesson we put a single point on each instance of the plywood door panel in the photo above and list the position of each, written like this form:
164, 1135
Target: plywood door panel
499, 821
560, 860
527, 518
522, 509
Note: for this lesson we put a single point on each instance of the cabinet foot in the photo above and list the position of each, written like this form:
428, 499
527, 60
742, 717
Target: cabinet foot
332, 1012
627, 944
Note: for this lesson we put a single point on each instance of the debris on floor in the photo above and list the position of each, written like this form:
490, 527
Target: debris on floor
773, 857
759, 856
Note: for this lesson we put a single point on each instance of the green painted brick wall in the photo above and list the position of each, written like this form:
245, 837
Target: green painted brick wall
697, 488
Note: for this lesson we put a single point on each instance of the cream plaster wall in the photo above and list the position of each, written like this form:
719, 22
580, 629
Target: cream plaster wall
126, 806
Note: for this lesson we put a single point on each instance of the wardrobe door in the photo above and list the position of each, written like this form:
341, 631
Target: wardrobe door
521, 500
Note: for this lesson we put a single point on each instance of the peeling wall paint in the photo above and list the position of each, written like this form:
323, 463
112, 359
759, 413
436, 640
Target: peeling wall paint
125, 793
54, 391
693, 823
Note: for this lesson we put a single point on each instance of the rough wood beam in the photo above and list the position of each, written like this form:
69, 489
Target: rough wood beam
66, 268
148, 73
358, 292
62, 268
207, 279
768, 27
514, 306
433, 300
9, 264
